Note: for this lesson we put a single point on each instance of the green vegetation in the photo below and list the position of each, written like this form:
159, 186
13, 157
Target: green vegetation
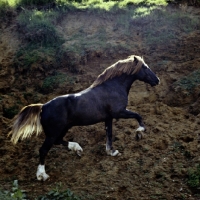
159, 31
34, 2
43, 41
100, 4
57, 194
16, 193
189, 82
10, 112
38, 28
52, 82
194, 177
4, 195
29, 55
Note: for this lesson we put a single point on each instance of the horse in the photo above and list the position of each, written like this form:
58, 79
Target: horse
106, 99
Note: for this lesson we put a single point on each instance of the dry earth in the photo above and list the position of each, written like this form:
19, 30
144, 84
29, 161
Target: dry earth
155, 167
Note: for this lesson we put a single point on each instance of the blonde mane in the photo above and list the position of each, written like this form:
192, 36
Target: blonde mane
129, 66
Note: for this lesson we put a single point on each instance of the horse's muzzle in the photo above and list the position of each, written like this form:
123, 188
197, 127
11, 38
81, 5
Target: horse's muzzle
156, 82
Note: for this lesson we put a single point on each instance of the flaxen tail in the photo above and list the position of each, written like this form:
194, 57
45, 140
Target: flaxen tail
26, 123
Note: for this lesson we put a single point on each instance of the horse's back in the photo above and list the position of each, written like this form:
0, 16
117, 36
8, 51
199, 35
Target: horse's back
56, 110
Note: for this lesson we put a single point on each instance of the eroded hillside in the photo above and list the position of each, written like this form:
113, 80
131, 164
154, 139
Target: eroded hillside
156, 167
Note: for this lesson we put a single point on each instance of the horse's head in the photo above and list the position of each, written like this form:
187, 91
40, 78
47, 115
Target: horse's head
147, 75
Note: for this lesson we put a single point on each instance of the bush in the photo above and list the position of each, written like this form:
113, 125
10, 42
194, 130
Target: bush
36, 2
28, 55
58, 194
16, 193
38, 29
42, 40
10, 112
52, 82
189, 82
194, 177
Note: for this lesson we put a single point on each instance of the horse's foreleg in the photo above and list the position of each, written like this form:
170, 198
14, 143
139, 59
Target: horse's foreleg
129, 114
109, 149
41, 174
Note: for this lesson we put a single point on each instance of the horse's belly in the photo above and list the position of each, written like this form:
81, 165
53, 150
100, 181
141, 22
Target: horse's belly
87, 119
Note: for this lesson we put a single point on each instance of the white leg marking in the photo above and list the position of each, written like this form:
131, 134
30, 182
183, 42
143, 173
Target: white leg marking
140, 129
113, 152
107, 148
41, 174
74, 146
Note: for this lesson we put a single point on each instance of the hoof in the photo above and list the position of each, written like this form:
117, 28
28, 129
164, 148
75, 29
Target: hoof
139, 136
42, 177
113, 153
41, 174
74, 146
79, 152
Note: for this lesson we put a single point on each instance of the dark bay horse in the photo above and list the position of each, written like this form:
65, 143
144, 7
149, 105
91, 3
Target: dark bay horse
106, 99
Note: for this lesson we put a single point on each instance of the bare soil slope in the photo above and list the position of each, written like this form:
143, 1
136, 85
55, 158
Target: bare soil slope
155, 167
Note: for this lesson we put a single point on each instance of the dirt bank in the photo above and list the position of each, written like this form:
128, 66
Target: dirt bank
155, 167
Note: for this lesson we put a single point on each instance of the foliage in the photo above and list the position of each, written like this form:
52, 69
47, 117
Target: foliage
42, 39
3, 7
5, 196
37, 27
10, 112
7, 12
111, 6
35, 2
194, 177
56, 194
83, 4
164, 26
52, 82
28, 55
189, 82
15, 193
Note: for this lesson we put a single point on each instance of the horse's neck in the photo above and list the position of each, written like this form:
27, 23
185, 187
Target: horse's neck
124, 82
129, 81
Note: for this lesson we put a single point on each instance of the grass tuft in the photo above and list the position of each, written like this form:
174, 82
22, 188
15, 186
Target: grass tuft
194, 177
189, 82
52, 82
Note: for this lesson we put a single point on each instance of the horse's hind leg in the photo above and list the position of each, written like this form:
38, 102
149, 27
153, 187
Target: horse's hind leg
59, 140
74, 146
48, 143
109, 149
